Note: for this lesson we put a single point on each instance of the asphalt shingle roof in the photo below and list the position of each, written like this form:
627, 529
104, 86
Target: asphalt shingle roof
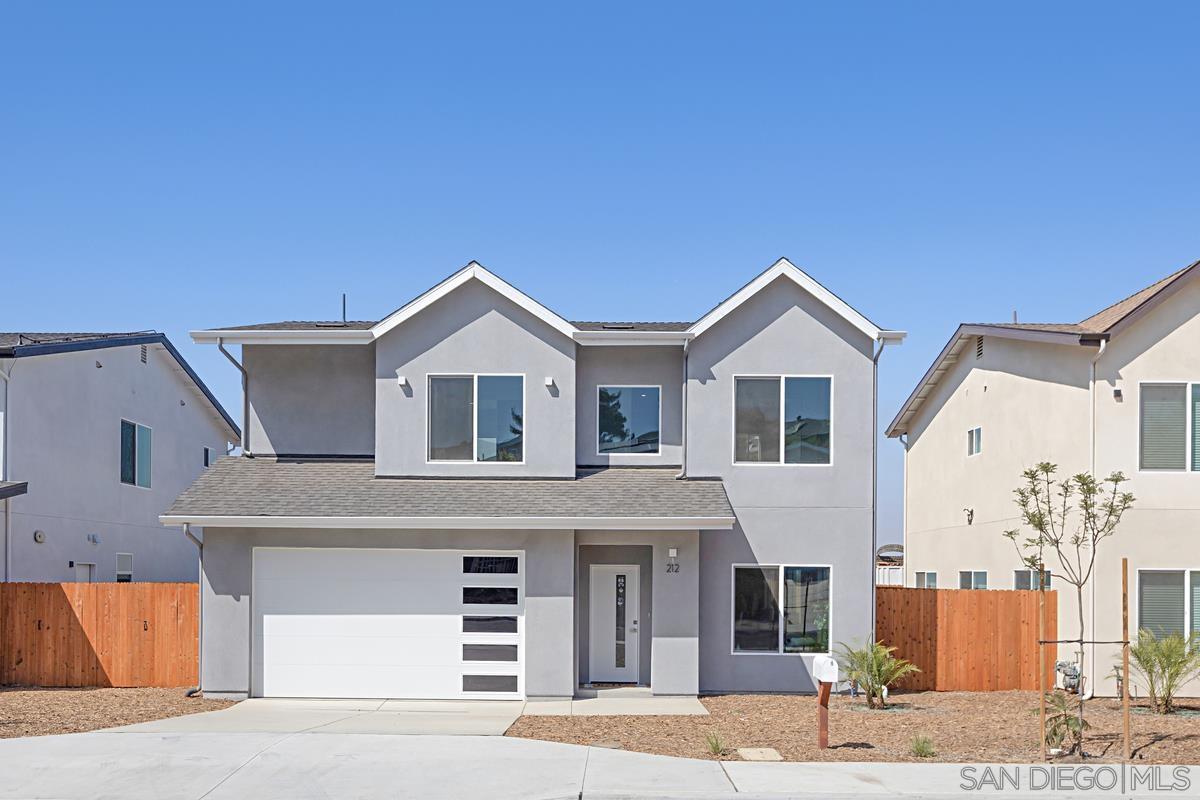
632, 326
257, 487
303, 325
8, 340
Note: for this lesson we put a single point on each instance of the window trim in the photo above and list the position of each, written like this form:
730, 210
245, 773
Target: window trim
1189, 456
600, 386
782, 462
733, 568
475, 376
135, 484
1136, 611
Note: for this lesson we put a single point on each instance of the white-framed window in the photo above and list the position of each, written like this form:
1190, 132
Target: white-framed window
1024, 579
925, 580
1169, 601
136, 450
1169, 427
783, 419
781, 609
476, 418
628, 420
124, 567
972, 579
974, 441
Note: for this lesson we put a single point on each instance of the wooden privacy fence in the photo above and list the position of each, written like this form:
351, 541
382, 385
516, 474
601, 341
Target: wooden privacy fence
967, 639
99, 634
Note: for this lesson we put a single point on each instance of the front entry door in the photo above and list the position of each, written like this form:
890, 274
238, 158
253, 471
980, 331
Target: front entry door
613, 624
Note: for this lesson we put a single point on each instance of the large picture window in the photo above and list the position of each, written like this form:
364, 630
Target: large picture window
1169, 426
766, 620
477, 418
783, 419
628, 420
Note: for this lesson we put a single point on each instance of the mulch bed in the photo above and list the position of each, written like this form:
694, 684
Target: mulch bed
41, 712
964, 726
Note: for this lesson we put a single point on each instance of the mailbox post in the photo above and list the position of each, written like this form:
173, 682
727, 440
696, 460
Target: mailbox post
825, 673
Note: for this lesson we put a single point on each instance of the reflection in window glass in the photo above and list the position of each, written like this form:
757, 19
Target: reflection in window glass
628, 419
756, 610
501, 418
450, 419
756, 419
806, 609
806, 420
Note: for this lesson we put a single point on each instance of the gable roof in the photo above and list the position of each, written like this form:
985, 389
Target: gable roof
1089, 332
27, 345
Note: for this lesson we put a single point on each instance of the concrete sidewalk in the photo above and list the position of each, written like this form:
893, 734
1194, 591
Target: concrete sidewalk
222, 766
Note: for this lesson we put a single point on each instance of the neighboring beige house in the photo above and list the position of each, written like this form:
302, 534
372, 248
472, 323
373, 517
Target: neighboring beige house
1118, 391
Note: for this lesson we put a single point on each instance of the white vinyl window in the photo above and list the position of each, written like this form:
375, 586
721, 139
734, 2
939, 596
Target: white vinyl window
783, 419
974, 441
124, 567
968, 579
781, 609
136, 449
1169, 427
1169, 601
1024, 579
925, 580
477, 418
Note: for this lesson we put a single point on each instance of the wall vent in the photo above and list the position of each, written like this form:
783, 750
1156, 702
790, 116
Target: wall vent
143, 354
979, 347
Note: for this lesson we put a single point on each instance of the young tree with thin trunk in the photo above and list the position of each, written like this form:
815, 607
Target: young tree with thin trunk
1048, 507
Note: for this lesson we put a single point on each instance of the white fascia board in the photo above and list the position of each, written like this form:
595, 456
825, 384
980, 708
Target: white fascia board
331, 336
785, 268
473, 271
634, 338
459, 523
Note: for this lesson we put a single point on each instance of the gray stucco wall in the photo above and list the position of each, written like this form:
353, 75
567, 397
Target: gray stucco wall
227, 584
789, 514
311, 399
475, 330
629, 366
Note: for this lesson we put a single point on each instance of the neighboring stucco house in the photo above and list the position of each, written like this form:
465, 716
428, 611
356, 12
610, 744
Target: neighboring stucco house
474, 497
1119, 391
99, 433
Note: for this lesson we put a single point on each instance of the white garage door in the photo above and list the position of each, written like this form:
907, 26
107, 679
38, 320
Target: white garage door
427, 624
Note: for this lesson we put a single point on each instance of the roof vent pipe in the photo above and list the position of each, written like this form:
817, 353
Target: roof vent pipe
246, 451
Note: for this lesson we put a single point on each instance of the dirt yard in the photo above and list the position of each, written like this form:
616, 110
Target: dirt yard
41, 712
964, 726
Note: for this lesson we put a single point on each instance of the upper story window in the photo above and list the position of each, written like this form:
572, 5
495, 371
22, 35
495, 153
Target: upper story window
207, 457
925, 580
628, 419
974, 441
968, 579
477, 418
1024, 579
782, 419
1169, 426
135, 454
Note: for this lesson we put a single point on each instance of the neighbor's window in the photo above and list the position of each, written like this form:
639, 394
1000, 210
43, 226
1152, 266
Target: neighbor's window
782, 420
628, 419
926, 580
207, 457
798, 624
135, 454
1165, 439
1169, 602
974, 441
972, 580
124, 567
1023, 579
477, 418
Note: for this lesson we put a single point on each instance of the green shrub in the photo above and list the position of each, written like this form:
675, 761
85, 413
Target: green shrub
873, 668
1164, 665
922, 747
716, 745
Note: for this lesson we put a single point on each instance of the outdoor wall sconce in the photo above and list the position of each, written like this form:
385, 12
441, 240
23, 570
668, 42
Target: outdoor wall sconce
401, 381
1118, 395
549, 383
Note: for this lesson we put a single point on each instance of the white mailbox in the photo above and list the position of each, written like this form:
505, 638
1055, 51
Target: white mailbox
825, 669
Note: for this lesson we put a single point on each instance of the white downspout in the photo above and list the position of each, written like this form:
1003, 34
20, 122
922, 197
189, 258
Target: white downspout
246, 451
1090, 689
880, 344
187, 531
683, 416
6, 374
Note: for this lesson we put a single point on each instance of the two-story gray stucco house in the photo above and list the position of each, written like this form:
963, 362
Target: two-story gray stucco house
99, 433
474, 497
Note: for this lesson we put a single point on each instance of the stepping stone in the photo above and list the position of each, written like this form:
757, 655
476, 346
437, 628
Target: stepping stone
608, 744
759, 754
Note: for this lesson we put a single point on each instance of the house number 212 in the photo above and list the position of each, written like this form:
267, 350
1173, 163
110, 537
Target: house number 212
672, 567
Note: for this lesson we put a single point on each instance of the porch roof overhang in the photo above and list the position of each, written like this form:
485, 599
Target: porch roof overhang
12, 489
345, 493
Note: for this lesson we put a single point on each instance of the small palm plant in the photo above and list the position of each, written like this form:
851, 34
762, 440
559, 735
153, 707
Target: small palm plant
1064, 725
1165, 665
874, 668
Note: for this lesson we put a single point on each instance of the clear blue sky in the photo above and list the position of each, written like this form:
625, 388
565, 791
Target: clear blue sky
176, 167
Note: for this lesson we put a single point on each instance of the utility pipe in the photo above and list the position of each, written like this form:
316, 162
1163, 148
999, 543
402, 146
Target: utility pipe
880, 343
246, 451
1090, 687
683, 417
187, 531
6, 374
